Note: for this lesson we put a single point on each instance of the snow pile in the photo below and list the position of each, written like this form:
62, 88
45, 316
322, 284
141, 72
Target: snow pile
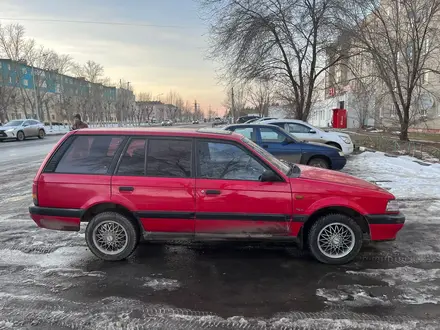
402, 176
415, 285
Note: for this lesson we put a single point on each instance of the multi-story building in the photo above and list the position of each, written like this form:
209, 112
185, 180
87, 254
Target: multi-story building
354, 84
30, 92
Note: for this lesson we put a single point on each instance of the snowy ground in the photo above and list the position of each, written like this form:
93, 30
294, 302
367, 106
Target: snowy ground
49, 279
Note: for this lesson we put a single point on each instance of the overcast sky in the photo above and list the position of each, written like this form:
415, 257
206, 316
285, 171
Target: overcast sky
155, 59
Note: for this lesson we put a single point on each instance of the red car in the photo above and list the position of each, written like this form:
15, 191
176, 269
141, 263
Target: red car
203, 184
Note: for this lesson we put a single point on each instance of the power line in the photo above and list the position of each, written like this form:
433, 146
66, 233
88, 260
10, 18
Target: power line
96, 22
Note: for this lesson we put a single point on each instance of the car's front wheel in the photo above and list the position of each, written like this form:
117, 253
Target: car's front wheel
319, 162
41, 134
335, 239
20, 136
112, 236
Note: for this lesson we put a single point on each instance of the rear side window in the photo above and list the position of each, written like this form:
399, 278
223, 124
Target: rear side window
133, 160
169, 158
248, 132
89, 155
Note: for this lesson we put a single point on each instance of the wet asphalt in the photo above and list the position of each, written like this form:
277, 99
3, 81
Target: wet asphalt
50, 280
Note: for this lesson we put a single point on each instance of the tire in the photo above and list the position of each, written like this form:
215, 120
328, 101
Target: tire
334, 144
127, 228
41, 134
20, 136
319, 162
336, 221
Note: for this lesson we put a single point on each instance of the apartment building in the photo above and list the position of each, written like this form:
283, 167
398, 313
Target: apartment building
30, 92
354, 84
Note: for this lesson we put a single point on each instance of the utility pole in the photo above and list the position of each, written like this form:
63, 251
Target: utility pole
233, 105
195, 110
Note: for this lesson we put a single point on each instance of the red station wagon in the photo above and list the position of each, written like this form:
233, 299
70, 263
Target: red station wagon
203, 184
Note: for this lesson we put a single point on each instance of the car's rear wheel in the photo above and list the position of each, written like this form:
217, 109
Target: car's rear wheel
319, 162
41, 134
20, 136
112, 236
335, 239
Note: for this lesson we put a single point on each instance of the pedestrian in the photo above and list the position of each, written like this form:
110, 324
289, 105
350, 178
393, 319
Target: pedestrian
78, 123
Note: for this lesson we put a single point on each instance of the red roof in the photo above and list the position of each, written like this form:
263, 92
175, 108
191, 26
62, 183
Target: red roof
164, 131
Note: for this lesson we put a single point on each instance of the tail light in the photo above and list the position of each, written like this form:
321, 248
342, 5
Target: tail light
35, 193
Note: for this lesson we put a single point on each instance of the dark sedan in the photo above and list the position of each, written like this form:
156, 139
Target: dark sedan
286, 147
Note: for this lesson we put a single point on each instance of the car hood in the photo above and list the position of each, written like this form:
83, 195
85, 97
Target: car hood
319, 174
322, 145
5, 128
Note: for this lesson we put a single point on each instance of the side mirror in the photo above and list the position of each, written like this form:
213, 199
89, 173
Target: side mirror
312, 131
269, 176
288, 140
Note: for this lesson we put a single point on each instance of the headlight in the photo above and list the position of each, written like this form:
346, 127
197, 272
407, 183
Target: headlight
341, 154
346, 139
9, 130
392, 206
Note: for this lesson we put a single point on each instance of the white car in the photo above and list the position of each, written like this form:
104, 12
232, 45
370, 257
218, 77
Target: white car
307, 132
21, 129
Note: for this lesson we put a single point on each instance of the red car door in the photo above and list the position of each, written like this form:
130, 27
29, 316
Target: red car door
230, 198
154, 179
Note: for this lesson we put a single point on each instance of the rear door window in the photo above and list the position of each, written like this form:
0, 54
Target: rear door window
89, 155
169, 158
133, 160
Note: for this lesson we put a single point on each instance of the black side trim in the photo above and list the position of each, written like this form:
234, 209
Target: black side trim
55, 212
165, 215
300, 218
385, 219
243, 217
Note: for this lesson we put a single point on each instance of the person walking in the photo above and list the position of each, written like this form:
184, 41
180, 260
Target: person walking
78, 124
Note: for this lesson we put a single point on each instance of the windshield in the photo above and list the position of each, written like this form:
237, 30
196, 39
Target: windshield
14, 123
271, 158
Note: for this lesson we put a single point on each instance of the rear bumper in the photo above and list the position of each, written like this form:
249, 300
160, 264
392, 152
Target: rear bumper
56, 218
384, 227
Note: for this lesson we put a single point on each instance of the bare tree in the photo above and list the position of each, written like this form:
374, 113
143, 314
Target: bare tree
92, 71
144, 107
260, 95
236, 100
281, 40
401, 37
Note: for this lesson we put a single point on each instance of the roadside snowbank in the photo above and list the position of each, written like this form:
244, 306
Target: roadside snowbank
403, 176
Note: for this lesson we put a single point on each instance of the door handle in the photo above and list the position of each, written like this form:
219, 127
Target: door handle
212, 192
126, 188
265, 146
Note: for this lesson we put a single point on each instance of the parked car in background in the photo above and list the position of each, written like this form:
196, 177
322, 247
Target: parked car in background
204, 184
284, 146
263, 120
304, 131
219, 121
167, 123
244, 119
22, 129
195, 122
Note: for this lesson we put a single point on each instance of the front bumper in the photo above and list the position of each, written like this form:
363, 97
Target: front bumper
338, 163
384, 227
347, 149
7, 135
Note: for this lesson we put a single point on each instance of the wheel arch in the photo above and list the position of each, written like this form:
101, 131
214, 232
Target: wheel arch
320, 156
111, 207
345, 210
335, 144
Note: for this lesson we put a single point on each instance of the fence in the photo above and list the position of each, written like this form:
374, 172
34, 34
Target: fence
422, 150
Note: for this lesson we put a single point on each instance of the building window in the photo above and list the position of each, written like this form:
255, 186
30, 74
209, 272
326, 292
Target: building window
424, 78
10, 80
23, 70
25, 82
